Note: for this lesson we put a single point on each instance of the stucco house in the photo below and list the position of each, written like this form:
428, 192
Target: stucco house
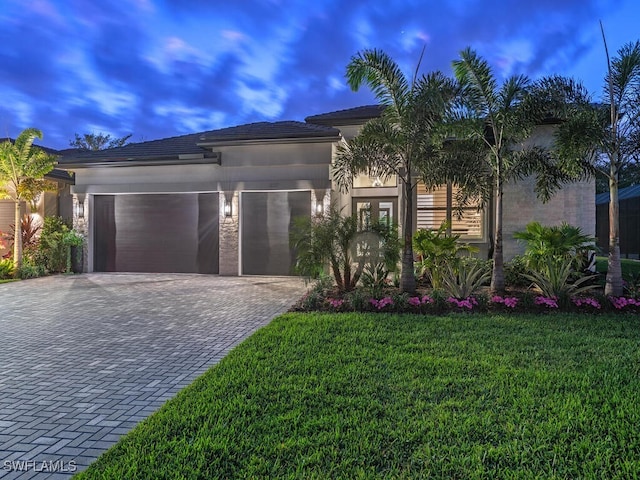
224, 201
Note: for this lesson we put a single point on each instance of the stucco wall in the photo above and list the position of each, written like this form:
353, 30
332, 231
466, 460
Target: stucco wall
250, 167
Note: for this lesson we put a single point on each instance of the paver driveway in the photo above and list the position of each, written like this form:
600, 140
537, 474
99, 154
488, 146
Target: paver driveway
84, 358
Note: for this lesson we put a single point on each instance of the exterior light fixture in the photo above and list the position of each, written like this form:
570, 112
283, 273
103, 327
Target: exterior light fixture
78, 208
227, 207
319, 208
376, 182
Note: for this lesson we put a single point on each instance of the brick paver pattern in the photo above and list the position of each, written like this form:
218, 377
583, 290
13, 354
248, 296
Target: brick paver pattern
84, 358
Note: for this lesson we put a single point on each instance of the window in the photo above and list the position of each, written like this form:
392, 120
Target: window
369, 210
438, 205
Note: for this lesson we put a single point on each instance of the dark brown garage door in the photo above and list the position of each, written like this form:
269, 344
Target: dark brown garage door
172, 233
267, 220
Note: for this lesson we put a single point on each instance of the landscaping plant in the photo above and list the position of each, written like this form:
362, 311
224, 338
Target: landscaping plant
437, 250
461, 280
563, 241
335, 241
554, 279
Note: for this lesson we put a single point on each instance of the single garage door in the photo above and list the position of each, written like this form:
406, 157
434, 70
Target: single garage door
267, 220
171, 233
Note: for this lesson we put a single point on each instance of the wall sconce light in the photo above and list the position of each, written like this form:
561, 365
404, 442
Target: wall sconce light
79, 208
319, 196
227, 206
376, 182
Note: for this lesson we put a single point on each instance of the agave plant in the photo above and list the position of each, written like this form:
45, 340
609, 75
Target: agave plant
554, 279
462, 281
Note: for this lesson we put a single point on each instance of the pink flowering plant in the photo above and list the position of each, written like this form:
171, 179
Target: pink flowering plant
624, 303
547, 302
418, 301
335, 303
509, 302
381, 303
586, 302
465, 303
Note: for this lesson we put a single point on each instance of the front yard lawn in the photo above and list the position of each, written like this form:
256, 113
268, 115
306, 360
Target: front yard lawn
319, 395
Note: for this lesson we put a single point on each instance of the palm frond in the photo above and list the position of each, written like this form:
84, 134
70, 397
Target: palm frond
382, 74
477, 82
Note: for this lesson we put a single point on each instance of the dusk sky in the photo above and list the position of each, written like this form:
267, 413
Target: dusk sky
159, 68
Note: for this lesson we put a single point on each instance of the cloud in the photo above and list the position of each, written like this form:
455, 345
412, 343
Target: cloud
156, 68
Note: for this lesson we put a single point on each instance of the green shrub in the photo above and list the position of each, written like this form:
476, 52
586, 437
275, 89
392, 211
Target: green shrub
30, 271
333, 240
564, 241
56, 240
514, 272
463, 280
554, 280
436, 251
6, 269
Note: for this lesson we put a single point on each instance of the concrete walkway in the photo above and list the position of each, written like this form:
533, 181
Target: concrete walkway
84, 358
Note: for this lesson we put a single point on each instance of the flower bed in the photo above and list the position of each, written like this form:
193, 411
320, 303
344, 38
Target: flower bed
320, 298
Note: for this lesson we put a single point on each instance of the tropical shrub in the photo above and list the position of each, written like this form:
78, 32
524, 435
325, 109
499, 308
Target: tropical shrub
554, 280
437, 251
335, 241
514, 271
29, 229
462, 280
6, 269
56, 240
560, 242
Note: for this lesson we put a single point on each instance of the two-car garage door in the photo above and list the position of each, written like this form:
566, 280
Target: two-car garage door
180, 232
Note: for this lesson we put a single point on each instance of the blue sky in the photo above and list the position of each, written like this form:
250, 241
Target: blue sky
158, 68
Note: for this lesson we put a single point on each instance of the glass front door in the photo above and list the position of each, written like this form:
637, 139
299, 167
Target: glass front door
370, 210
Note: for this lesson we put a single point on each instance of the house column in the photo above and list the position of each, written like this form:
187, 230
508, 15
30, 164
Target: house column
81, 225
229, 233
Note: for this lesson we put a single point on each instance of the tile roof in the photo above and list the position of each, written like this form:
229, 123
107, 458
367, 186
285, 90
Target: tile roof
193, 144
348, 116
270, 131
623, 194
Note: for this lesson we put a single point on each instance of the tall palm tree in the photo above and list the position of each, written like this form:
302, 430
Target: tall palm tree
22, 168
401, 141
490, 125
612, 131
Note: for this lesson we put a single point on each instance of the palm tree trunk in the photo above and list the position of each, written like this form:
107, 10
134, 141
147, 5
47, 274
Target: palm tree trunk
17, 237
497, 275
407, 276
613, 285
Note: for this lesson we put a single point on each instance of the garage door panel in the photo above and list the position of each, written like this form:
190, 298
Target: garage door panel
267, 220
157, 233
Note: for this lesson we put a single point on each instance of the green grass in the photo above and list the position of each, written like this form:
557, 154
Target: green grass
404, 396
629, 267
7, 280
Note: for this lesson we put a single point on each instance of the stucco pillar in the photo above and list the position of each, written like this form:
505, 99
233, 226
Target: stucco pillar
229, 234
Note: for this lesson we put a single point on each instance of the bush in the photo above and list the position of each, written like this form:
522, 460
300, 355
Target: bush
562, 242
437, 251
56, 240
6, 269
515, 271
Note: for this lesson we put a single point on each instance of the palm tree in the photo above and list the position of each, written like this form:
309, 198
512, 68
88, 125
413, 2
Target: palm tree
401, 141
613, 132
22, 168
490, 126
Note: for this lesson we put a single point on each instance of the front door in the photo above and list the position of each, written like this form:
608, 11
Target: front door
370, 210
